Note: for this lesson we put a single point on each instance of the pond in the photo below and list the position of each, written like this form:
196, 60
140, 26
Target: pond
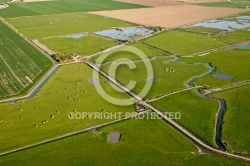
125, 34
220, 76
247, 47
76, 36
241, 22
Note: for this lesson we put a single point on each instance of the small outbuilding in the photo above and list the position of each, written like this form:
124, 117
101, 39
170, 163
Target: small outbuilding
114, 137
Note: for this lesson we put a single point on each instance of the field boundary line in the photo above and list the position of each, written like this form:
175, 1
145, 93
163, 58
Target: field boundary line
172, 93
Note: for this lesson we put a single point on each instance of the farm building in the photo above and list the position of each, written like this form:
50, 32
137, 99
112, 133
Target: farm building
114, 137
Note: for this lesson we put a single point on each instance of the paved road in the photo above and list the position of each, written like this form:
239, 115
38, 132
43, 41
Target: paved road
169, 120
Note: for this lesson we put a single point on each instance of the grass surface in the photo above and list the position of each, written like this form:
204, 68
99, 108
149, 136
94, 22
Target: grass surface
63, 24
62, 6
186, 43
197, 114
234, 63
143, 142
68, 90
183, 43
84, 46
236, 128
165, 82
120, 55
21, 65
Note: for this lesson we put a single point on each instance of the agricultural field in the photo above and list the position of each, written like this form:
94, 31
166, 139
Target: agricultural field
63, 6
138, 144
45, 116
21, 64
167, 77
226, 62
197, 114
120, 55
83, 46
38, 27
236, 123
186, 43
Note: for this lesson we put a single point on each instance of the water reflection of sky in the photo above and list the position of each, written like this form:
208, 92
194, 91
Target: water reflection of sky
241, 22
126, 34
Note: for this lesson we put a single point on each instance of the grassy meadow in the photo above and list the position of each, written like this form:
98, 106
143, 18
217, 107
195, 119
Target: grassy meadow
226, 62
63, 24
236, 128
120, 55
69, 90
166, 81
143, 142
63, 6
84, 46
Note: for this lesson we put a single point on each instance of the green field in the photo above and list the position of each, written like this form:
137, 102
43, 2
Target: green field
63, 24
166, 82
63, 6
236, 128
143, 142
21, 65
84, 46
202, 30
67, 91
183, 43
197, 114
186, 43
120, 55
234, 63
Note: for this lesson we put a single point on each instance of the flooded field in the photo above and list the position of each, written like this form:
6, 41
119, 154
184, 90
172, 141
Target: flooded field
76, 36
220, 76
247, 46
239, 22
125, 34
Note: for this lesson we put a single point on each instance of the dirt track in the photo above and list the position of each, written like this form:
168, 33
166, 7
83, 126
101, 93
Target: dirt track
43, 47
169, 16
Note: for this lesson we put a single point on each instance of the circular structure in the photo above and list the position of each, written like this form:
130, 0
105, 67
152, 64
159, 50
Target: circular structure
111, 75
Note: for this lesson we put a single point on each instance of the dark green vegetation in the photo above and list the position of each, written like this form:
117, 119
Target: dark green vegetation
236, 128
84, 46
186, 43
63, 24
197, 114
62, 6
45, 116
234, 63
21, 64
166, 81
143, 142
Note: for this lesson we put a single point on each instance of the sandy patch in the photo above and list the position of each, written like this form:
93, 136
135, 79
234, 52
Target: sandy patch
153, 3
158, 3
169, 16
43, 47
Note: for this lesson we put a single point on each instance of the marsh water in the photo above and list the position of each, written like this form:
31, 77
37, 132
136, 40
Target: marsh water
76, 36
239, 22
2, 6
220, 76
125, 34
